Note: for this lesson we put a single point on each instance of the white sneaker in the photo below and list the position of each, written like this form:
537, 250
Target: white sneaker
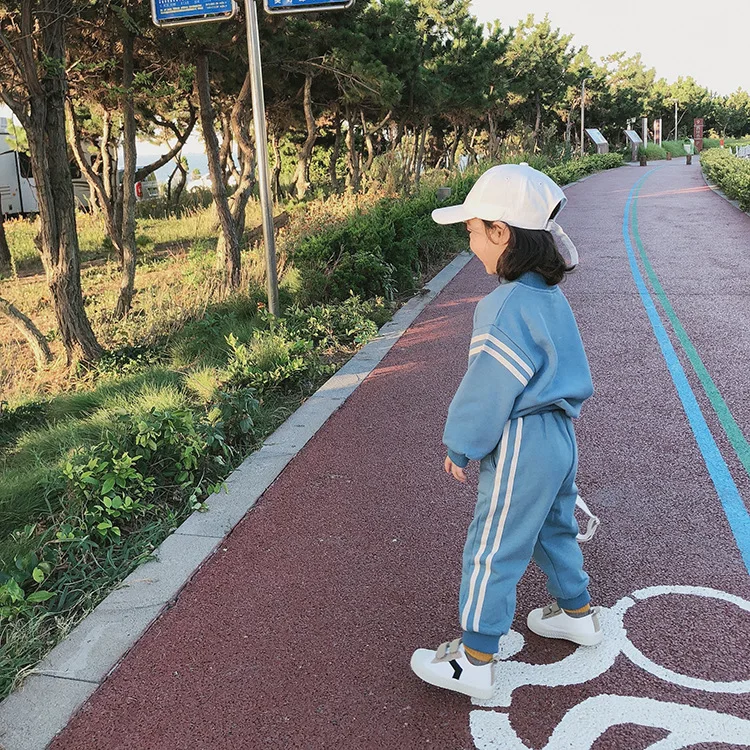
553, 622
448, 667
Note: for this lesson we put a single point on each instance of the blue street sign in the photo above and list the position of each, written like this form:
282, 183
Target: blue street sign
300, 6
177, 12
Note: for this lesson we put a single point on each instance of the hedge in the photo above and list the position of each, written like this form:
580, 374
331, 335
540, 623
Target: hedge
730, 173
381, 252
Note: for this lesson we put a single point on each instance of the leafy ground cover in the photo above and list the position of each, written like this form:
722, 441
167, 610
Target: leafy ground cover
98, 467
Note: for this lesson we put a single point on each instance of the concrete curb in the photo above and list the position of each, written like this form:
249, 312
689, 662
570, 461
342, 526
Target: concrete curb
32, 716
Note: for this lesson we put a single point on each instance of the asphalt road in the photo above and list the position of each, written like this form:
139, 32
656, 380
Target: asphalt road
298, 633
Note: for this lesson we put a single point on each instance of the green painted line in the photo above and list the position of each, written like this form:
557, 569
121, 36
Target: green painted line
729, 425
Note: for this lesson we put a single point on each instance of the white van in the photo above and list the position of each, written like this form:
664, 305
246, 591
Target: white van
17, 187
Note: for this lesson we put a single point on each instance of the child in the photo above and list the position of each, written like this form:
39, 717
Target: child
527, 378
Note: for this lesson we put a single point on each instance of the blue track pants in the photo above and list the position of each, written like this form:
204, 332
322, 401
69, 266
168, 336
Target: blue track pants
525, 510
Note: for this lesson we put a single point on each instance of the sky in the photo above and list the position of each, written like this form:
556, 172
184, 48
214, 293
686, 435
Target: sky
709, 43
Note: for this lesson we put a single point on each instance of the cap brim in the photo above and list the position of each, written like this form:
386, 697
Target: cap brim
451, 215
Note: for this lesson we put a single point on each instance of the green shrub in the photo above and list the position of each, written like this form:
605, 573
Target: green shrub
652, 152
676, 148
730, 173
271, 361
382, 252
351, 323
377, 253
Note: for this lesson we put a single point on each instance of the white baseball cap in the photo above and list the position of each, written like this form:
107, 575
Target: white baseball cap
517, 195
514, 193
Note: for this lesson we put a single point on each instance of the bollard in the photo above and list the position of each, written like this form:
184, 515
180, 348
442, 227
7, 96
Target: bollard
644, 162
689, 159
669, 156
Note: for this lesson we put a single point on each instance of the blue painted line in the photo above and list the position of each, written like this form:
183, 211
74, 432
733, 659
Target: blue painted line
731, 500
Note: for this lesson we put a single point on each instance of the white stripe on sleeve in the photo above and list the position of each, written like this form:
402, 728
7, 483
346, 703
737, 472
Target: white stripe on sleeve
499, 357
503, 347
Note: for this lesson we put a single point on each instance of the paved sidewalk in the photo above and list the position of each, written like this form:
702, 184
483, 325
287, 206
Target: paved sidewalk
298, 632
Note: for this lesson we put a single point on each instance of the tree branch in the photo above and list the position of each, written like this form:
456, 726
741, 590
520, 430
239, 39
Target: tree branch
144, 172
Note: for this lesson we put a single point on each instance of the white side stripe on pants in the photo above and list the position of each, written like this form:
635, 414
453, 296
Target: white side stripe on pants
487, 527
500, 526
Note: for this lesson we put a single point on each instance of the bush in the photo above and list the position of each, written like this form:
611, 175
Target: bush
378, 253
730, 173
575, 169
652, 152
382, 253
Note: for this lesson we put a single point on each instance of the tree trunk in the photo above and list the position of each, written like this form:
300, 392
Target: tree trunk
420, 154
45, 127
228, 256
454, 146
239, 124
174, 190
6, 262
369, 144
352, 154
302, 175
332, 164
180, 183
29, 331
469, 145
276, 176
100, 185
239, 118
494, 140
129, 247
538, 123
397, 135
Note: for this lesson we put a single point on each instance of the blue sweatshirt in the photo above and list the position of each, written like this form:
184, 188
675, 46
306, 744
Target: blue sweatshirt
526, 357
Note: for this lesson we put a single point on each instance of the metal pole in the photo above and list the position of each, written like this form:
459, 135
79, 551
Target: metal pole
583, 96
261, 147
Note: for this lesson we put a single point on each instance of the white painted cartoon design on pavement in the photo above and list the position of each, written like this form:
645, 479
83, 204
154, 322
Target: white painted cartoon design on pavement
588, 720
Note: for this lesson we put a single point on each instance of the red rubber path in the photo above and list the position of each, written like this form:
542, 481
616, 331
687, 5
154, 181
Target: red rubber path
298, 633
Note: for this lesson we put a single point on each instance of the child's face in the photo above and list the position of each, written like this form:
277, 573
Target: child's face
488, 244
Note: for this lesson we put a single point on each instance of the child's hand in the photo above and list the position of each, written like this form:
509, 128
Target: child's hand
457, 471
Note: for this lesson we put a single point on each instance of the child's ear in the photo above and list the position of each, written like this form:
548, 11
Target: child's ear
500, 234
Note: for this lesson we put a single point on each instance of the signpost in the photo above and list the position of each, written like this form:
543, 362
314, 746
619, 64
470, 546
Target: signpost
302, 6
657, 131
602, 146
635, 141
181, 12
698, 133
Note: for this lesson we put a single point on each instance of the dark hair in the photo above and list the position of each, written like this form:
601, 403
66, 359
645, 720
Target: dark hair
532, 250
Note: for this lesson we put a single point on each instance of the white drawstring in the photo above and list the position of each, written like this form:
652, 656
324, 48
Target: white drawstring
562, 240
593, 523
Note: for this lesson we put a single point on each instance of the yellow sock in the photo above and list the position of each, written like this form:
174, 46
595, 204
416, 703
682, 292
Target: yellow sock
581, 612
477, 657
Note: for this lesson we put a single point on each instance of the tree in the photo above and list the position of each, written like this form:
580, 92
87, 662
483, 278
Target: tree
112, 96
32, 47
539, 58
